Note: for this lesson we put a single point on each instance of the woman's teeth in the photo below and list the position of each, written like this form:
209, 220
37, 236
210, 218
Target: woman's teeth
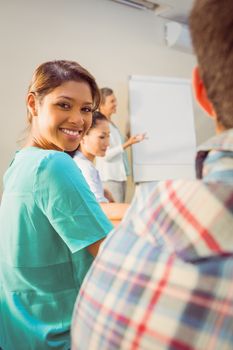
70, 132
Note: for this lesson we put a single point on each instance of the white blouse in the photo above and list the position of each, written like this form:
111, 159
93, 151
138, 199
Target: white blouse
112, 167
91, 176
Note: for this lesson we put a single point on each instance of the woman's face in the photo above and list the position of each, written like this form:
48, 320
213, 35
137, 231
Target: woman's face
63, 117
96, 142
109, 106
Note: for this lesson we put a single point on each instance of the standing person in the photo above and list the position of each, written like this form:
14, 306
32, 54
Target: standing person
164, 278
114, 168
50, 223
94, 144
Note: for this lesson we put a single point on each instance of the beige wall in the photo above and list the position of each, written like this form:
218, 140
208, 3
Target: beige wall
111, 40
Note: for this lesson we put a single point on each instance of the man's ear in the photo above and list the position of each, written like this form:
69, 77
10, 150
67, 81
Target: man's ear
31, 104
200, 93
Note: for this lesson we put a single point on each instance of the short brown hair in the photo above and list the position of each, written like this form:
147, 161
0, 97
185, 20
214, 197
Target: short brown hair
52, 74
211, 25
104, 92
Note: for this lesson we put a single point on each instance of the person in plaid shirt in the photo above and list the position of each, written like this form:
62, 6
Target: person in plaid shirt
164, 278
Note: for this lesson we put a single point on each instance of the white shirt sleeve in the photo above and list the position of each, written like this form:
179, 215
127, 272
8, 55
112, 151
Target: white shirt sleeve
113, 152
115, 149
92, 177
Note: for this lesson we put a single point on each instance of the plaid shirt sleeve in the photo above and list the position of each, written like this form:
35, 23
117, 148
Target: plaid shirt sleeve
164, 278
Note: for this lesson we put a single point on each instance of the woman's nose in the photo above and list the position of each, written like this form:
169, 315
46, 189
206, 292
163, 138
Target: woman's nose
77, 118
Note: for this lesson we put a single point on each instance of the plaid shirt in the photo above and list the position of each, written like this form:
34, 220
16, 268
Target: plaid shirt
164, 277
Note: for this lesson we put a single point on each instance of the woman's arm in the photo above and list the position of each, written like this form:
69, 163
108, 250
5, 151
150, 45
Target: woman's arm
109, 196
132, 140
94, 248
114, 211
113, 152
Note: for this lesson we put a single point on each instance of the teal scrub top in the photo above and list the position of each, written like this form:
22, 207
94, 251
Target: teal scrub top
48, 216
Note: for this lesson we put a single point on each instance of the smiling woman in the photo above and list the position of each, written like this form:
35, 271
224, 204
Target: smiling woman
61, 99
50, 223
62, 118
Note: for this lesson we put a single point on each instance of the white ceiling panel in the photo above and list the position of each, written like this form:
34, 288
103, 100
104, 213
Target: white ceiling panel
176, 10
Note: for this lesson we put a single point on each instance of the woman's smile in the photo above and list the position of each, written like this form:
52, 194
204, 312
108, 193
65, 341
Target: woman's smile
64, 116
72, 133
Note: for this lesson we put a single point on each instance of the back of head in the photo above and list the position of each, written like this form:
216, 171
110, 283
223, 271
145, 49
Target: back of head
52, 74
211, 25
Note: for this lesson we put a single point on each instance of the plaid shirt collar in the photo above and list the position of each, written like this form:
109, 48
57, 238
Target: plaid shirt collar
219, 143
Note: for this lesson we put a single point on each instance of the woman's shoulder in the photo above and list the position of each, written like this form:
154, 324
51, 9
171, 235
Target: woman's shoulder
55, 161
85, 165
37, 153
46, 160
79, 157
57, 170
82, 161
32, 164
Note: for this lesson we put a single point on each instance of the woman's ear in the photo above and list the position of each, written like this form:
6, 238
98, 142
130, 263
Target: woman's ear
31, 104
200, 93
82, 141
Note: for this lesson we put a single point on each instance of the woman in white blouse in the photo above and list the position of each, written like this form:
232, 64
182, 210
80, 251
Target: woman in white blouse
113, 167
94, 143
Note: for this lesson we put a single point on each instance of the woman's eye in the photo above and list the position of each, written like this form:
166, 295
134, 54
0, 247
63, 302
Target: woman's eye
64, 105
87, 109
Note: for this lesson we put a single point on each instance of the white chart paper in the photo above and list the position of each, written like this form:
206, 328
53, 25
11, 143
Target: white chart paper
162, 107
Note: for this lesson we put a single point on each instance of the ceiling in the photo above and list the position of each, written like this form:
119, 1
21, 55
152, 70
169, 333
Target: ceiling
176, 10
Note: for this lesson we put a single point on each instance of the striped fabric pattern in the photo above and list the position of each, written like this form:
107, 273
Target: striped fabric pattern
163, 278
